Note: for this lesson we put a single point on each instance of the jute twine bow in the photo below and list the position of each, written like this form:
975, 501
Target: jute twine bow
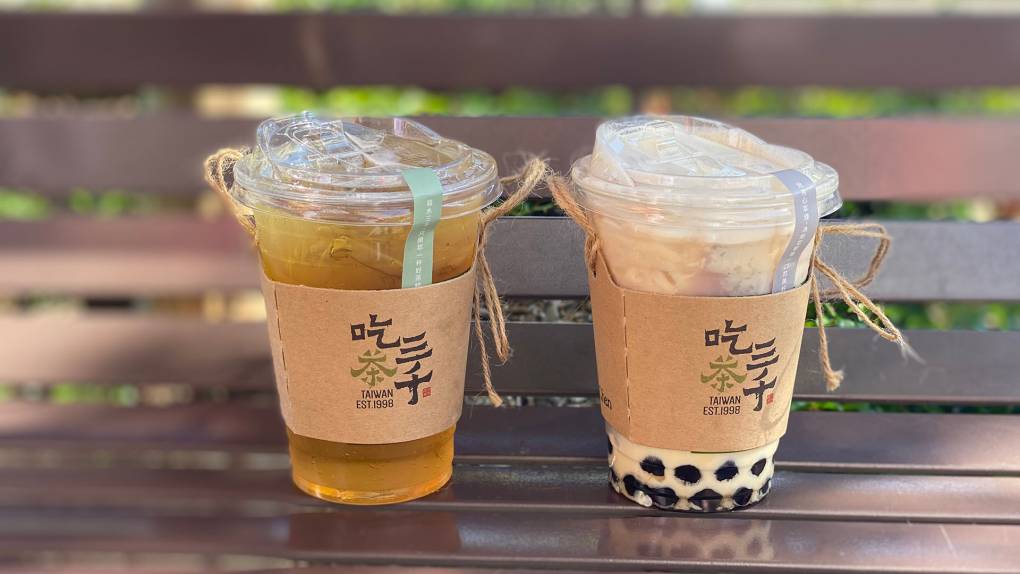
849, 291
219, 173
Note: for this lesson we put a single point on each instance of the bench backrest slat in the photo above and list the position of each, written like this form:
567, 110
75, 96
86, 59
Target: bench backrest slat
530, 256
103, 52
878, 159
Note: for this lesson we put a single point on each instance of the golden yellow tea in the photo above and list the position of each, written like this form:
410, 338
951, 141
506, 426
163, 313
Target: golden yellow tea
356, 257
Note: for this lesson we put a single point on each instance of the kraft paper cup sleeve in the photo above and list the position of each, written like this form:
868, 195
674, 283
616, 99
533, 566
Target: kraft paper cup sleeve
370, 367
698, 374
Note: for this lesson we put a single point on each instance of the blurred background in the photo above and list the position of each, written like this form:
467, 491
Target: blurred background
98, 98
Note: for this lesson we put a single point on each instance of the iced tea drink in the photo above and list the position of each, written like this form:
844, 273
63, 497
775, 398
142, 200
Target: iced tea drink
332, 210
688, 206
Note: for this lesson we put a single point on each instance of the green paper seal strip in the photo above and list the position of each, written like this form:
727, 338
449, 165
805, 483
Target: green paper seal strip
427, 191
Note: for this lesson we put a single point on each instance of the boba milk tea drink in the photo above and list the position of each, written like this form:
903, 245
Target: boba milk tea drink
362, 315
705, 236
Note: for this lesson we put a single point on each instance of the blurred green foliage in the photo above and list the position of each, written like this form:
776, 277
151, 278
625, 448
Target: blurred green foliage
111, 203
967, 210
20, 204
383, 101
841, 103
618, 100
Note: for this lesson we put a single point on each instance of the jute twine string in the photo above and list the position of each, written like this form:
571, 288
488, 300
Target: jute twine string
533, 174
847, 290
219, 174
560, 189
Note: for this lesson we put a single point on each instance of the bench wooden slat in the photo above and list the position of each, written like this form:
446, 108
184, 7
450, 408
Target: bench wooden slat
123, 349
837, 442
530, 256
877, 158
534, 540
516, 488
104, 52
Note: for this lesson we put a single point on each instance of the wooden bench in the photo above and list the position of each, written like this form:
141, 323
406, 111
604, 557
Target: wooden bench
196, 477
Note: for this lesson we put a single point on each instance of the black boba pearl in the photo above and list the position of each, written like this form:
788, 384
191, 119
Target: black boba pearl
759, 467
765, 487
653, 466
726, 472
612, 476
610, 443
631, 484
706, 500
687, 473
663, 497
743, 496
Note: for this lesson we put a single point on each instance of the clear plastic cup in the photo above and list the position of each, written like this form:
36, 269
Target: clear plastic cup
331, 209
689, 206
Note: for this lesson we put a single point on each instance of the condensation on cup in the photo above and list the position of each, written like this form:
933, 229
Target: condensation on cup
690, 206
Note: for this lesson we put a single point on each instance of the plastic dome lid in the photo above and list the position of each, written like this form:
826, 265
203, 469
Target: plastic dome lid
682, 161
351, 168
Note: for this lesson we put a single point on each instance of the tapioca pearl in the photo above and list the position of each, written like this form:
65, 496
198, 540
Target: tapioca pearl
653, 466
759, 467
687, 473
612, 476
727, 471
664, 497
631, 484
642, 498
743, 496
706, 499
765, 488
609, 443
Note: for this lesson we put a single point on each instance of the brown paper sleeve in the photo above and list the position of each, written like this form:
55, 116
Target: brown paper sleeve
701, 374
370, 367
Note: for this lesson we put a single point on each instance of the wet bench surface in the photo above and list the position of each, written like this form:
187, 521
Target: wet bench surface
196, 479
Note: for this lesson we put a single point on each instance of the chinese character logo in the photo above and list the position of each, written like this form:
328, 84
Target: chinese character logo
373, 368
725, 371
411, 360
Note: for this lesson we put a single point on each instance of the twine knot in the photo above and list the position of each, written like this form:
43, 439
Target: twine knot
847, 290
